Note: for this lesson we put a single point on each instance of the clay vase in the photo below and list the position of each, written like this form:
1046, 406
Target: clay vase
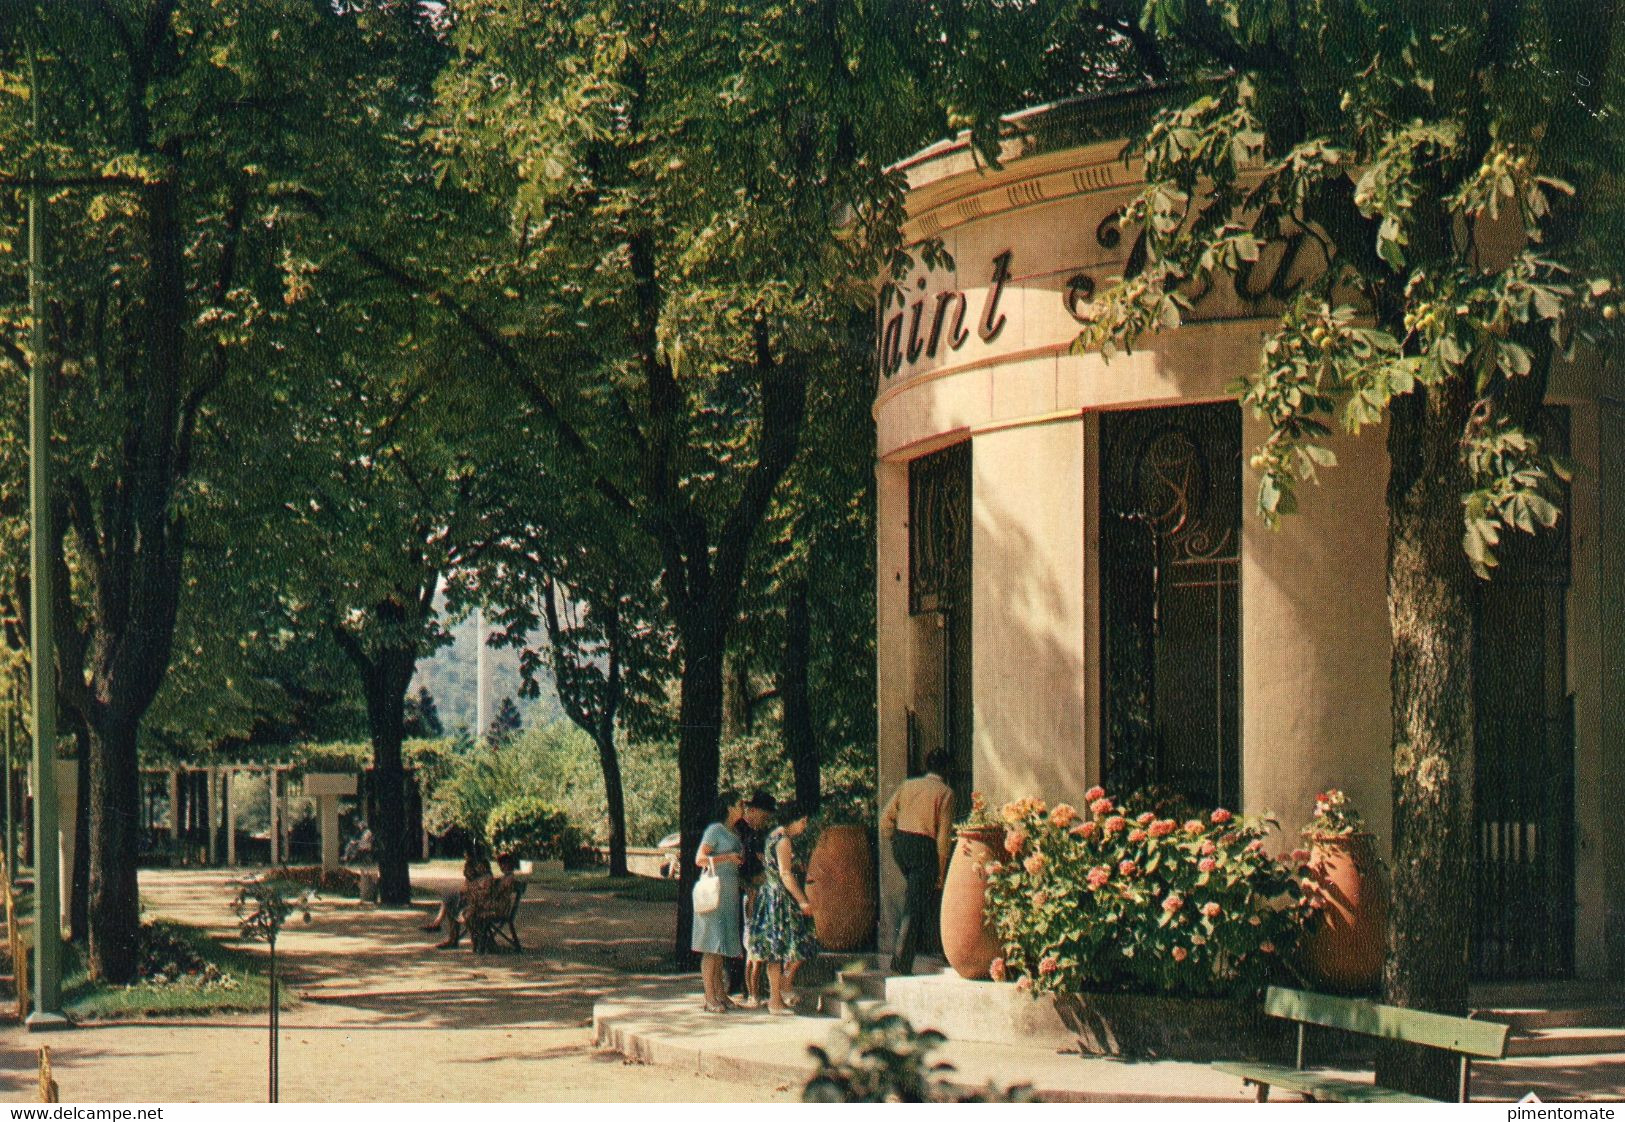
841, 886
1348, 936
968, 940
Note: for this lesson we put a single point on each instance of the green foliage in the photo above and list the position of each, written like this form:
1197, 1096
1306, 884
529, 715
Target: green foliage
760, 762
1116, 898
529, 828
557, 764
1434, 160
882, 1058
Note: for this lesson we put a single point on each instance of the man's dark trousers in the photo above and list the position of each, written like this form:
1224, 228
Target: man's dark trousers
916, 855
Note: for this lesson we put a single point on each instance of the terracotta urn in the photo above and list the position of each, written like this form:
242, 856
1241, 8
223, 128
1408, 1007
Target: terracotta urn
968, 940
1348, 935
841, 886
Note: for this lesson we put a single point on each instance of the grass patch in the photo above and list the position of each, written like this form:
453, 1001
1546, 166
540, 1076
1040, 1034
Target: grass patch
642, 889
183, 971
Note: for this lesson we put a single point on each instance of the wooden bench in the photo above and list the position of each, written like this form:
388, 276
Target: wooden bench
1468, 1039
487, 929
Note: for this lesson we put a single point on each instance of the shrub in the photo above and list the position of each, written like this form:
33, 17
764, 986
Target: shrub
1116, 898
528, 827
882, 1058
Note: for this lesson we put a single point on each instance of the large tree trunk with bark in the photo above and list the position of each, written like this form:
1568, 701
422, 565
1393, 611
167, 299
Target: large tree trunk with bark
78, 878
1430, 607
614, 797
386, 684
698, 760
114, 807
795, 696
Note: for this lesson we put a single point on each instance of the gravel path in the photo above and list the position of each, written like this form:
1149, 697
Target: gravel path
385, 1017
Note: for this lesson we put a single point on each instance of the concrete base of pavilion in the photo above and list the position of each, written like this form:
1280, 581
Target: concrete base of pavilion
669, 1027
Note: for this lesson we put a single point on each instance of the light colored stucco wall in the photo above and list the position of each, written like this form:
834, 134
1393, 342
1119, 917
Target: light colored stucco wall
894, 672
1315, 642
1027, 611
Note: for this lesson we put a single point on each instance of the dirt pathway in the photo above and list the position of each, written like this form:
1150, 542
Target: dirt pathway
385, 1017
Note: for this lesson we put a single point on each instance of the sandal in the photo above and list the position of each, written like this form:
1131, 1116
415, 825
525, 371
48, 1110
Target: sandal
783, 1012
715, 1007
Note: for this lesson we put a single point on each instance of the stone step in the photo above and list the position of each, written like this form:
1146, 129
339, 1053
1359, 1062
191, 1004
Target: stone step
1528, 1019
1575, 1041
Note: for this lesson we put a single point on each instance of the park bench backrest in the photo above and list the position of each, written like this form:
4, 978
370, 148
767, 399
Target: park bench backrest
1413, 1026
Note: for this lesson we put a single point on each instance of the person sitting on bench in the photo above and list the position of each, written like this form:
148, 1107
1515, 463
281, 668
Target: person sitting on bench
476, 875
490, 901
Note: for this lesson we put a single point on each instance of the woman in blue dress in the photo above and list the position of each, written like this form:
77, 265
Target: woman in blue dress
781, 928
717, 932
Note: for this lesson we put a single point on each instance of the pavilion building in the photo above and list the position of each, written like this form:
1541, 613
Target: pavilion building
1073, 587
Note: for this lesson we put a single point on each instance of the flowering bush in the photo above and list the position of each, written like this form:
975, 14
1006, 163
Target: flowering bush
1335, 817
1119, 898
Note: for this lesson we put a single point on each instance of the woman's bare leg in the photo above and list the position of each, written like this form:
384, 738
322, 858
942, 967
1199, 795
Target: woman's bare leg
775, 986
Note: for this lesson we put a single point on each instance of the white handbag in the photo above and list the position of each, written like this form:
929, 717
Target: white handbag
707, 891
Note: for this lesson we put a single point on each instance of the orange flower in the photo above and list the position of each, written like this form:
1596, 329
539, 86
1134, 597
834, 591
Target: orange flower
1101, 805
1172, 903
1194, 827
1098, 876
1211, 910
1146, 819
1127, 869
1014, 840
1206, 865
1034, 865
1221, 816
995, 970
1063, 815
1208, 848
1163, 827
1094, 793
1084, 830
1136, 835
1114, 823
1048, 965
1181, 954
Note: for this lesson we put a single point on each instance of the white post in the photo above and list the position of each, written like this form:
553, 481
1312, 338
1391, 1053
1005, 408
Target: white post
482, 696
210, 819
231, 818
174, 808
276, 816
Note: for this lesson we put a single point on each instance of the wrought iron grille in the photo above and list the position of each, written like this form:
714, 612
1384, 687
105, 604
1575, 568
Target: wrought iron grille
1170, 530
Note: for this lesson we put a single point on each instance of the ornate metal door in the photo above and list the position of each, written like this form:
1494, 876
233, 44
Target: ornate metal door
1170, 487
939, 575
1523, 899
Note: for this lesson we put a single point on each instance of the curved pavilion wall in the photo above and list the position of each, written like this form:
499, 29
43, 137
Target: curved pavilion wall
980, 356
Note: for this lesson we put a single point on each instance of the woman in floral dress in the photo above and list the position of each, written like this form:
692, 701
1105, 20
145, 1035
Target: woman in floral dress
781, 930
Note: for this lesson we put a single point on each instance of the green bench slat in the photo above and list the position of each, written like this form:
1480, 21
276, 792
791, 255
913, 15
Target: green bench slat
1328, 1088
1413, 1026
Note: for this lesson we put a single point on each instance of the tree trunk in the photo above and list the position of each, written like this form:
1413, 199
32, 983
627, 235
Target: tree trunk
1430, 598
698, 761
386, 718
614, 797
795, 697
114, 797
78, 878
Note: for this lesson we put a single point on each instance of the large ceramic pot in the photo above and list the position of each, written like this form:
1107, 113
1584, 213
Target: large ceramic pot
1348, 936
968, 940
841, 886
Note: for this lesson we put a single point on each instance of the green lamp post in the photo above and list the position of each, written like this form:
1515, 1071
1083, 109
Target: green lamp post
47, 1013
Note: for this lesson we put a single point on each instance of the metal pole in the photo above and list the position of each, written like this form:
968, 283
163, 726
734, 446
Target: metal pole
11, 811
47, 1012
